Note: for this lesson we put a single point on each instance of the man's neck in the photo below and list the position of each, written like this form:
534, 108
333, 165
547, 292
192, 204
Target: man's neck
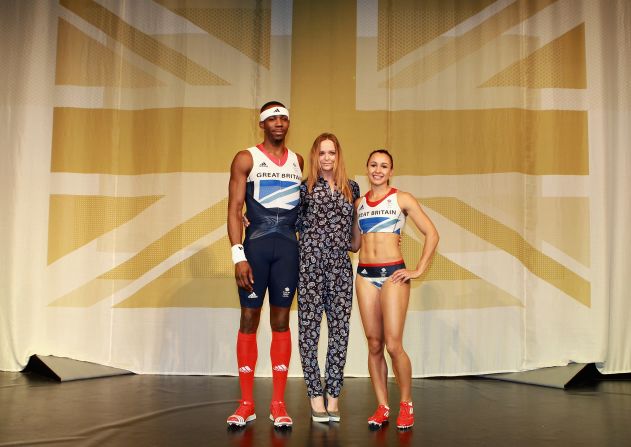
275, 148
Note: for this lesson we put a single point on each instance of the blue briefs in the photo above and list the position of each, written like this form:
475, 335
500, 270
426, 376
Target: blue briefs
377, 274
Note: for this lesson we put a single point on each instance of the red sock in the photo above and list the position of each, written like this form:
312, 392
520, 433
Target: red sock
280, 352
247, 353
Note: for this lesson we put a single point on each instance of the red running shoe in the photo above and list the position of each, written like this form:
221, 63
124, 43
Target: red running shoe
278, 414
380, 417
406, 415
243, 415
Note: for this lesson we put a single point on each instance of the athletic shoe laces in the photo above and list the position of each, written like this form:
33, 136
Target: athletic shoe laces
278, 409
406, 414
245, 409
380, 415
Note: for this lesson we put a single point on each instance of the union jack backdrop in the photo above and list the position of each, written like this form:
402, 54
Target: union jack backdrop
488, 106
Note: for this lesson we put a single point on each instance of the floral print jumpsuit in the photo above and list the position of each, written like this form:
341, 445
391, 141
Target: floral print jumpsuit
325, 283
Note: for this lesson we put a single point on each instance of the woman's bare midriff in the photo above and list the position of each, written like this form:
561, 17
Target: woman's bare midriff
380, 248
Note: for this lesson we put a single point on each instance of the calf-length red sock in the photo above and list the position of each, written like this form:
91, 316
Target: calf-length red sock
247, 353
280, 353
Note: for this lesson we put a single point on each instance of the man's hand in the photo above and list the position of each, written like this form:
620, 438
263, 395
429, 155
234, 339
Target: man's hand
243, 275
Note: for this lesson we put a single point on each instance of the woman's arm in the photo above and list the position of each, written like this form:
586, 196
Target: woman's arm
302, 209
356, 237
411, 207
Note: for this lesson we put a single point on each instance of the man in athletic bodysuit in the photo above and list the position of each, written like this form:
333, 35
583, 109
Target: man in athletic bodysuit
267, 179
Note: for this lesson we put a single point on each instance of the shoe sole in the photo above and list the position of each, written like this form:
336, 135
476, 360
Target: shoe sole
241, 424
375, 425
320, 418
405, 427
334, 418
280, 424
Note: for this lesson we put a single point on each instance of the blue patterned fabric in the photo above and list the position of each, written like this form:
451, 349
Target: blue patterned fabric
325, 283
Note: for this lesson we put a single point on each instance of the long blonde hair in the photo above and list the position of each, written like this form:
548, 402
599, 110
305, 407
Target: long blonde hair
339, 169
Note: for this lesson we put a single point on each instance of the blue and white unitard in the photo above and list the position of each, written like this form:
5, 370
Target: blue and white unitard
272, 196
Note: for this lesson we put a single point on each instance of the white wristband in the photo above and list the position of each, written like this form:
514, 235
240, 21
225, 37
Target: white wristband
238, 253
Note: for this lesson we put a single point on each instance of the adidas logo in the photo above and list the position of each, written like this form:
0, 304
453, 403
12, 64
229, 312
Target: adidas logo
364, 272
286, 292
245, 370
276, 110
253, 295
263, 165
280, 368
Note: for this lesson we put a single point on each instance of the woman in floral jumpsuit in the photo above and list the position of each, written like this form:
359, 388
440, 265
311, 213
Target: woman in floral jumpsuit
326, 278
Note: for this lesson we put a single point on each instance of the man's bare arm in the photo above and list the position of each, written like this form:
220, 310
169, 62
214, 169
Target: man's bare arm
301, 162
239, 170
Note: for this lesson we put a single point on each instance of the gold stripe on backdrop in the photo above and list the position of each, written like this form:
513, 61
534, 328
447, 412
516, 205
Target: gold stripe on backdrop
83, 61
185, 292
424, 142
231, 23
564, 223
459, 47
441, 268
559, 64
90, 293
513, 243
76, 220
447, 285
321, 103
181, 236
405, 25
148, 141
205, 279
151, 256
142, 44
535, 142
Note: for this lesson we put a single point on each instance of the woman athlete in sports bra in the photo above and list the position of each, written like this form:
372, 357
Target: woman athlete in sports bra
383, 282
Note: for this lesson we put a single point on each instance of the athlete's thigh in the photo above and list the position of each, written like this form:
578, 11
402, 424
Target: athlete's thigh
394, 304
258, 253
283, 273
369, 307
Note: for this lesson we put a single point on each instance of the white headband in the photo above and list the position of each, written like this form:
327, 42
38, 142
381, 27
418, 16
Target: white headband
273, 111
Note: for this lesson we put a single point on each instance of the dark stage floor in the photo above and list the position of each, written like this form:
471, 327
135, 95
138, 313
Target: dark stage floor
147, 410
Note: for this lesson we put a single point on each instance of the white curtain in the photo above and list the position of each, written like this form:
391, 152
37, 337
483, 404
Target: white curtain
508, 120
